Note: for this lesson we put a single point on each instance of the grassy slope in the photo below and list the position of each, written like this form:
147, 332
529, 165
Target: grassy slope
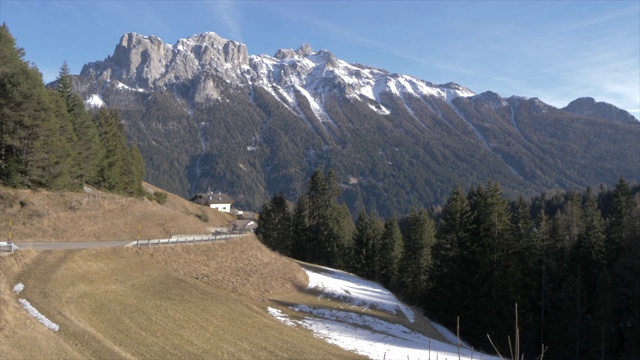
39, 215
192, 301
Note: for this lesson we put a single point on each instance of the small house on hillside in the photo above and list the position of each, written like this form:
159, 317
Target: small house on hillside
219, 201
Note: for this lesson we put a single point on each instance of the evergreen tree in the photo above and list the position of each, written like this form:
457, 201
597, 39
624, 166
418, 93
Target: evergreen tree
494, 250
365, 242
450, 255
623, 253
542, 236
113, 169
63, 167
390, 253
326, 221
137, 171
623, 222
274, 225
419, 238
524, 276
301, 247
88, 149
33, 147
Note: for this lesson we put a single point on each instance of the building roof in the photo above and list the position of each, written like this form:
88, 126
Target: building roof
218, 198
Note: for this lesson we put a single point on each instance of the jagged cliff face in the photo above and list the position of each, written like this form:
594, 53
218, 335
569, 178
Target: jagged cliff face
208, 116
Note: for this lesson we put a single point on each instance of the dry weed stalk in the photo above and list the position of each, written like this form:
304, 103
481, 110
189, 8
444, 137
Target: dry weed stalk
515, 352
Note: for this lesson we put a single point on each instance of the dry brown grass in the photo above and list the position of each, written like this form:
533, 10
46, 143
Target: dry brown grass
189, 301
192, 301
40, 215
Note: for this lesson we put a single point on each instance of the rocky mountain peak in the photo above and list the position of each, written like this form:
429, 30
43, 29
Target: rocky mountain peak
285, 54
305, 49
587, 106
492, 99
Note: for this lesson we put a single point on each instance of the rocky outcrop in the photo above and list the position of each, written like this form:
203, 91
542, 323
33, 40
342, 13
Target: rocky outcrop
147, 63
587, 106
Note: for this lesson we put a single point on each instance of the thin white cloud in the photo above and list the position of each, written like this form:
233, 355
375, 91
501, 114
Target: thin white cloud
228, 13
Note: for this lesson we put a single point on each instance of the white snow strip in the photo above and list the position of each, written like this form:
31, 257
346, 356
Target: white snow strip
411, 112
36, 314
18, 288
356, 291
317, 109
281, 316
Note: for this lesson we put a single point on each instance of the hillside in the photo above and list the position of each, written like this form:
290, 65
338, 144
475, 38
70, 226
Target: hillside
203, 301
191, 301
92, 215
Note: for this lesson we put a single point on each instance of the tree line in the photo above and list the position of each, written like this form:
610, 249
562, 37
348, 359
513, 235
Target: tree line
49, 140
571, 261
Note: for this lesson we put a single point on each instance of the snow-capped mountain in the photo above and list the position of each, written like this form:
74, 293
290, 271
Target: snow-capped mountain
145, 63
209, 116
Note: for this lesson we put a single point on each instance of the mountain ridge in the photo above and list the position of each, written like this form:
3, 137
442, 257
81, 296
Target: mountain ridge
300, 109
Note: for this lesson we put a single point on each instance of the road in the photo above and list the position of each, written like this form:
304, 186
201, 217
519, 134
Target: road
71, 245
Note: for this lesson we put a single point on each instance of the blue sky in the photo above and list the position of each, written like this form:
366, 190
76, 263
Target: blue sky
556, 51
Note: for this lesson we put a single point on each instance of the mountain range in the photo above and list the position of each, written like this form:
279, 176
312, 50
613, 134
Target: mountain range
207, 116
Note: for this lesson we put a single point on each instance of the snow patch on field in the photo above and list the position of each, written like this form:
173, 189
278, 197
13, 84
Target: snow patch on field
364, 334
33, 311
36, 314
280, 316
18, 288
356, 291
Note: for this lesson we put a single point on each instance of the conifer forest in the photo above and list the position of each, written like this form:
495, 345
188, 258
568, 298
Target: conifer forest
49, 140
569, 260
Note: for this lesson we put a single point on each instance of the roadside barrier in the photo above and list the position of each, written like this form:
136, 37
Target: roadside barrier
7, 247
186, 239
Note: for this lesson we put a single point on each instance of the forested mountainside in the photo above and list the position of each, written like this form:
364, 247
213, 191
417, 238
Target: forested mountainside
208, 116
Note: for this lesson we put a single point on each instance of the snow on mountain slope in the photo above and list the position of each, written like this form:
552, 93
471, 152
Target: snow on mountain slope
367, 335
146, 63
321, 73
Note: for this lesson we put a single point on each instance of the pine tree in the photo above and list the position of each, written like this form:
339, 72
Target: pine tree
542, 236
137, 170
274, 225
113, 168
327, 235
525, 269
623, 252
390, 253
63, 167
623, 220
494, 250
419, 238
365, 242
450, 254
32, 143
301, 247
88, 149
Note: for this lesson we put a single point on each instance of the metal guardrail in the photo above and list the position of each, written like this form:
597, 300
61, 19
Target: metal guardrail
7, 247
186, 239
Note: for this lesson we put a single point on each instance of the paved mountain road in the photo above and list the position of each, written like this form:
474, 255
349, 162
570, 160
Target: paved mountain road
71, 245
